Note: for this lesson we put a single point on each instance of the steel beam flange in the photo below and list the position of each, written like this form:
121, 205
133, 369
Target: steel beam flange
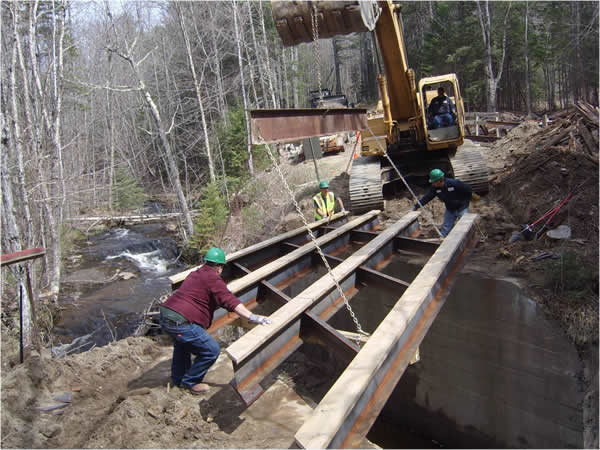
348, 410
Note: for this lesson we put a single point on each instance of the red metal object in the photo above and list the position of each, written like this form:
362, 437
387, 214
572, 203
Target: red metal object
13, 258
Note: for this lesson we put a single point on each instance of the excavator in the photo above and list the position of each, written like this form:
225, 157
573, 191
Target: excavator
399, 136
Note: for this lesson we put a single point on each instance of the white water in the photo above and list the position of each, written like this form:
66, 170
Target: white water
151, 261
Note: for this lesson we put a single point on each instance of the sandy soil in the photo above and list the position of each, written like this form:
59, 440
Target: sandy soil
119, 395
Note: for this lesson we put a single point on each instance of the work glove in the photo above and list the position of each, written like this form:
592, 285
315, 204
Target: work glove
261, 320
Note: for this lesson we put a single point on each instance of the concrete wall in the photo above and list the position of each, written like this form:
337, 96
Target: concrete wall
494, 372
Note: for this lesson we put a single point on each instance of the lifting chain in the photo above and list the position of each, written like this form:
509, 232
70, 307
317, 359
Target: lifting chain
316, 45
359, 329
403, 180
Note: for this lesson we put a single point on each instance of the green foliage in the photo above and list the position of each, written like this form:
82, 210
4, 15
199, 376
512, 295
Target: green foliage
571, 277
234, 145
210, 224
128, 194
253, 219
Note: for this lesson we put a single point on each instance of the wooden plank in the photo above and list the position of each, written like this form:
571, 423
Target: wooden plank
17, 257
179, 277
348, 410
587, 138
251, 342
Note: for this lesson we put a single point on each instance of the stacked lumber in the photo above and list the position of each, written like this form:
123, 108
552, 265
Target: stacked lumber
574, 129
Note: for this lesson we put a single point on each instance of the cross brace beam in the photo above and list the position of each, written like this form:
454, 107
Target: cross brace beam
312, 326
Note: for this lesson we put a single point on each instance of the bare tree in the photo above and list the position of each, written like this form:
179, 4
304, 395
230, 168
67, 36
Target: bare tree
527, 79
492, 79
266, 59
244, 96
197, 83
126, 54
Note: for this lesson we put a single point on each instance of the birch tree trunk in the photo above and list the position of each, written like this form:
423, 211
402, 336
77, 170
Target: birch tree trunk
266, 47
244, 96
216, 67
492, 79
53, 204
336, 64
256, 52
197, 83
11, 232
295, 76
527, 79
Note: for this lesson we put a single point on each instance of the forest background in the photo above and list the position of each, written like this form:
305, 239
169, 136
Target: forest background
105, 105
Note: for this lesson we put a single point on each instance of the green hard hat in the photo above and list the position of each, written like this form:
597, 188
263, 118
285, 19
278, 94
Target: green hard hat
215, 255
323, 185
435, 175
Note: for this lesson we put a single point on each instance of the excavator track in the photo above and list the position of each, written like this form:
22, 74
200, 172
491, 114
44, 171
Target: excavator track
468, 165
365, 184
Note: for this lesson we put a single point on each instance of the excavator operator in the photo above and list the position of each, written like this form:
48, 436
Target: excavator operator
441, 111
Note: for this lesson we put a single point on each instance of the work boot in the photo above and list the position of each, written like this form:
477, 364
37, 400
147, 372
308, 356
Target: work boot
197, 389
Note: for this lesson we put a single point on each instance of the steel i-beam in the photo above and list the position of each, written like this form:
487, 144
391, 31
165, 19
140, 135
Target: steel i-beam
247, 287
348, 410
287, 125
262, 250
263, 348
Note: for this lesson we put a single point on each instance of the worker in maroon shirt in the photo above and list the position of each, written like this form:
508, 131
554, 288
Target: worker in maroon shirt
187, 314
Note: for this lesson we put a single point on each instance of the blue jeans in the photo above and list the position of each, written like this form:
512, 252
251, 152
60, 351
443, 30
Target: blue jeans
450, 217
190, 339
442, 120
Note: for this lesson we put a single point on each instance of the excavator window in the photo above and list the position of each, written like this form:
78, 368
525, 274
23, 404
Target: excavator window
440, 110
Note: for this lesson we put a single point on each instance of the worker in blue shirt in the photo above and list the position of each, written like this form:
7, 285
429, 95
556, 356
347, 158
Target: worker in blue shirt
455, 194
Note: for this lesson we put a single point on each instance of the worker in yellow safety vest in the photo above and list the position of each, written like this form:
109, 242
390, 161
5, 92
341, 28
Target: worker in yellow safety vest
324, 202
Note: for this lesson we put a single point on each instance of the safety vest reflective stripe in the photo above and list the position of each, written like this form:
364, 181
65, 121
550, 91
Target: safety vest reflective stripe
328, 208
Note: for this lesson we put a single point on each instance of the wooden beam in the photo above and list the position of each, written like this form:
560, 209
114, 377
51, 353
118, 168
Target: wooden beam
348, 410
261, 346
17, 257
179, 277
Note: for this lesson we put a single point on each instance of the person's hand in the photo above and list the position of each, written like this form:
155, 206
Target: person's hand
261, 320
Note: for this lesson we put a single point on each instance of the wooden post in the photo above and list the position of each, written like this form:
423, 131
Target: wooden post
476, 125
497, 126
545, 120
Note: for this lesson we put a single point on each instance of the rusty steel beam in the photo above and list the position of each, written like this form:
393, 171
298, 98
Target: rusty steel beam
258, 352
287, 125
364, 274
258, 253
312, 327
17, 257
402, 242
346, 413
286, 266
